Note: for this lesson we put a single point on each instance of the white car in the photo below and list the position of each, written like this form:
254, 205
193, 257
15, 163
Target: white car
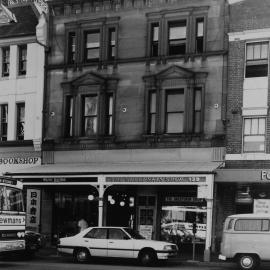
117, 242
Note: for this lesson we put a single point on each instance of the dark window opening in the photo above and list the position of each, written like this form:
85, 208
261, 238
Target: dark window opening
199, 35
69, 117
111, 49
4, 122
177, 37
154, 39
109, 115
89, 116
22, 59
257, 59
152, 114
197, 110
71, 47
20, 121
5, 61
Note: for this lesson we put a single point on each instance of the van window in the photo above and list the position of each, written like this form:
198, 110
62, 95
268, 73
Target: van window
251, 225
230, 223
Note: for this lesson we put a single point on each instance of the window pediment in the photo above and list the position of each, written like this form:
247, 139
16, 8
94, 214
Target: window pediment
176, 72
89, 78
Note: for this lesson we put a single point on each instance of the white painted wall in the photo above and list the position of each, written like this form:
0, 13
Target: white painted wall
27, 89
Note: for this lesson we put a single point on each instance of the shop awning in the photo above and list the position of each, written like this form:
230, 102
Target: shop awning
66, 169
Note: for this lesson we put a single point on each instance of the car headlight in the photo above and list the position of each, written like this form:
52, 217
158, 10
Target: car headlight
168, 247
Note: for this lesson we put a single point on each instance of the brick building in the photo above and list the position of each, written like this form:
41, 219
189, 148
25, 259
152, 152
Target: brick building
134, 116
242, 185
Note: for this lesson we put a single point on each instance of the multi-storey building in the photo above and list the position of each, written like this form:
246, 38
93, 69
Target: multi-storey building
22, 60
242, 185
134, 115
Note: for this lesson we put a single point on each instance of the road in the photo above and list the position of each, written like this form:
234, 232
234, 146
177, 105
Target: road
59, 263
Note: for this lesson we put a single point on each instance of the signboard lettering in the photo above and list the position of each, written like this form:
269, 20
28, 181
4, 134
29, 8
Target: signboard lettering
33, 209
261, 206
161, 179
265, 175
19, 160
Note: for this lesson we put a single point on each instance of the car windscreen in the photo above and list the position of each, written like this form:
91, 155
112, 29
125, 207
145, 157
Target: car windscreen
134, 234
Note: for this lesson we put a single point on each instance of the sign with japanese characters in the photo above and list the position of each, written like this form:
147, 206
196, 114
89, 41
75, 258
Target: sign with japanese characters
33, 209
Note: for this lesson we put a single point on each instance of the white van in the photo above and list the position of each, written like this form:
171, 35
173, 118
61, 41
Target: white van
246, 239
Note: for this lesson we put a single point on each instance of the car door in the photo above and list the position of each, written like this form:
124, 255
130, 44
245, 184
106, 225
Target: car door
119, 244
96, 240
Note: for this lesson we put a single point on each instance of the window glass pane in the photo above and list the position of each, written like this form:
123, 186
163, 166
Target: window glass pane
110, 105
197, 124
90, 126
90, 105
254, 143
177, 32
175, 122
153, 102
261, 126
153, 123
257, 51
116, 234
93, 54
175, 101
247, 129
265, 225
92, 40
97, 234
198, 100
248, 225
155, 32
264, 53
249, 51
254, 126
199, 28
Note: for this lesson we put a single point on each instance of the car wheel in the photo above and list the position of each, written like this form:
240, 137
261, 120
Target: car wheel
81, 255
248, 261
147, 257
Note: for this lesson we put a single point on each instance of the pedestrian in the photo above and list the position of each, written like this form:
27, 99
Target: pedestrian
82, 224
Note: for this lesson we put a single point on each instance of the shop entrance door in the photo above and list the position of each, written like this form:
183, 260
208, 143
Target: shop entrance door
147, 216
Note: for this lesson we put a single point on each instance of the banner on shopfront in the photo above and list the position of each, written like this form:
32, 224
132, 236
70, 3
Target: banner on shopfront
157, 179
33, 209
261, 206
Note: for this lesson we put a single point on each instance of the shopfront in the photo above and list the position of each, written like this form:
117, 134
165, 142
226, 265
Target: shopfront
155, 204
240, 191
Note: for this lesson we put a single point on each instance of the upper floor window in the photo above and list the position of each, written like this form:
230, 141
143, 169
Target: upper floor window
111, 43
197, 109
20, 121
69, 116
71, 47
152, 112
199, 43
4, 121
154, 39
89, 115
257, 59
254, 134
175, 107
91, 45
5, 61
109, 114
22, 59
177, 32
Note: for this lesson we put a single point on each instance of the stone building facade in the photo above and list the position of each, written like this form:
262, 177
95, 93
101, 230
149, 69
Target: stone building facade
134, 116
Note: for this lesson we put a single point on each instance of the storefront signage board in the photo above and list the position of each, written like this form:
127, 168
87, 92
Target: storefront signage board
146, 231
261, 206
265, 175
33, 209
154, 179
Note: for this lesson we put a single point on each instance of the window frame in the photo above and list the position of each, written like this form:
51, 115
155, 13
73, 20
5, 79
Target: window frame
149, 113
2, 123
69, 117
21, 61
5, 61
72, 35
258, 134
20, 105
98, 31
152, 41
248, 63
196, 19
166, 113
